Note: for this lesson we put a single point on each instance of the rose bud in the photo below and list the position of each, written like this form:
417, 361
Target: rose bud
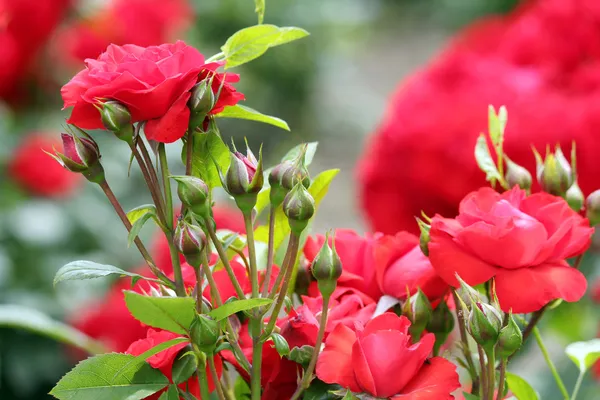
81, 155
193, 193
201, 102
575, 197
205, 333
555, 174
441, 324
298, 207
517, 175
326, 268
484, 325
190, 241
417, 309
278, 192
467, 294
592, 207
244, 179
117, 119
424, 237
510, 339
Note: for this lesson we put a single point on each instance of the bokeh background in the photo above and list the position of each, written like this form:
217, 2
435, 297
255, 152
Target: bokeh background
333, 87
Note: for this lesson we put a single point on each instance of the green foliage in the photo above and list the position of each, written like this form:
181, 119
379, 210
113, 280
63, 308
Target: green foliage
584, 354
242, 112
281, 345
170, 394
82, 269
301, 355
469, 396
108, 377
138, 217
174, 314
184, 366
241, 390
260, 10
20, 317
319, 390
485, 161
496, 126
236, 306
250, 43
520, 388
209, 150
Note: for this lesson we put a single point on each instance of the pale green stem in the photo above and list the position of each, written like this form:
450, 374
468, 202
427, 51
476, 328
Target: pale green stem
557, 378
577, 385
270, 252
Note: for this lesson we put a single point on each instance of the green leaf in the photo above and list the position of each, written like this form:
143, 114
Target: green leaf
241, 390
301, 355
311, 149
184, 366
281, 345
208, 149
485, 161
186, 395
319, 390
174, 314
520, 388
170, 394
469, 396
139, 223
20, 317
236, 306
136, 213
260, 10
250, 43
584, 354
82, 269
497, 125
242, 112
95, 379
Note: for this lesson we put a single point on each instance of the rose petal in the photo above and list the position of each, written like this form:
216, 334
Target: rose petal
527, 290
334, 364
436, 380
172, 126
385, 322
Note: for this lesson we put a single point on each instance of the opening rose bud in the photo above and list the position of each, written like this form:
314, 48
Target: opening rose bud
592, 207
81, 155
244, 179
117, 119
484, 325
190, 241
205, 333
298, 207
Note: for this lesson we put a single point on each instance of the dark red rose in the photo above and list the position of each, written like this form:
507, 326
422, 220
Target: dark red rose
400, 265
541, 61
520, 241
153, 82
35, 171
366, 359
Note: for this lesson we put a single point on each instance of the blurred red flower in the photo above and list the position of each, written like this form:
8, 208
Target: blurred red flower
38, 173
139, 22
153, 82
25, 26
366, 359
520, 241
542, 61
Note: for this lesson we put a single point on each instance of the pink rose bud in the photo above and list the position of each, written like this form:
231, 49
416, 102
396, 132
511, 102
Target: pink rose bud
190, 241
244, 179
592, 207
81, 155
298, 207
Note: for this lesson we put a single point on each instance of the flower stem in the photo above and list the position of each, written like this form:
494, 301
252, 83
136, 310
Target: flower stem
288, 268
145, 162
189, 150
465, 341
223, 257
162, 154
255, 384
251, 254
270, 252
307, 378
203, 379
577, 385
533, 322
138, 243
491, 373
215, 378
557, 378
482, 375
501, 380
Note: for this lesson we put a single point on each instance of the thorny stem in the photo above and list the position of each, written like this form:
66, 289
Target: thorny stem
465, 343
270, 252
162, 154
215, 377
307, 378
138, 243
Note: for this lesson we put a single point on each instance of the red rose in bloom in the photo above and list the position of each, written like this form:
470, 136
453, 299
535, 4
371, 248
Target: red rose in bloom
153, 82
541, 61
36, 172
381, 360
164, 360
400, 264
139, 22
357, 255
520, 241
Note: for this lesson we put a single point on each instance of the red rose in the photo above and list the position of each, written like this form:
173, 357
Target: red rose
35, 171
367, 359
520, 241
153, 82
357, 255
165, 359
541, 61
400, 264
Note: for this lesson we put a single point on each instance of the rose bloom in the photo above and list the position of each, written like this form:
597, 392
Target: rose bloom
153, 82
521, 241
139, 22
36, 172
541, 61
367, 359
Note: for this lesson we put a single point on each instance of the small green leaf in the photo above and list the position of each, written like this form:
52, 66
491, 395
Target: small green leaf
241, 390
520, 388
174, 314
301, 355
20, 317
584, 354
496, 125
95, 379
208, 149
311, 149
82, 269
139, 223
250, 43
242, 112
469, 396
170, 394
236, 306
186, 395
260, 10
319, 390
281, 345
184, 366
485, 161
136, 213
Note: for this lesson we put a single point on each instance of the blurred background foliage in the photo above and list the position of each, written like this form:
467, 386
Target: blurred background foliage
331, 87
